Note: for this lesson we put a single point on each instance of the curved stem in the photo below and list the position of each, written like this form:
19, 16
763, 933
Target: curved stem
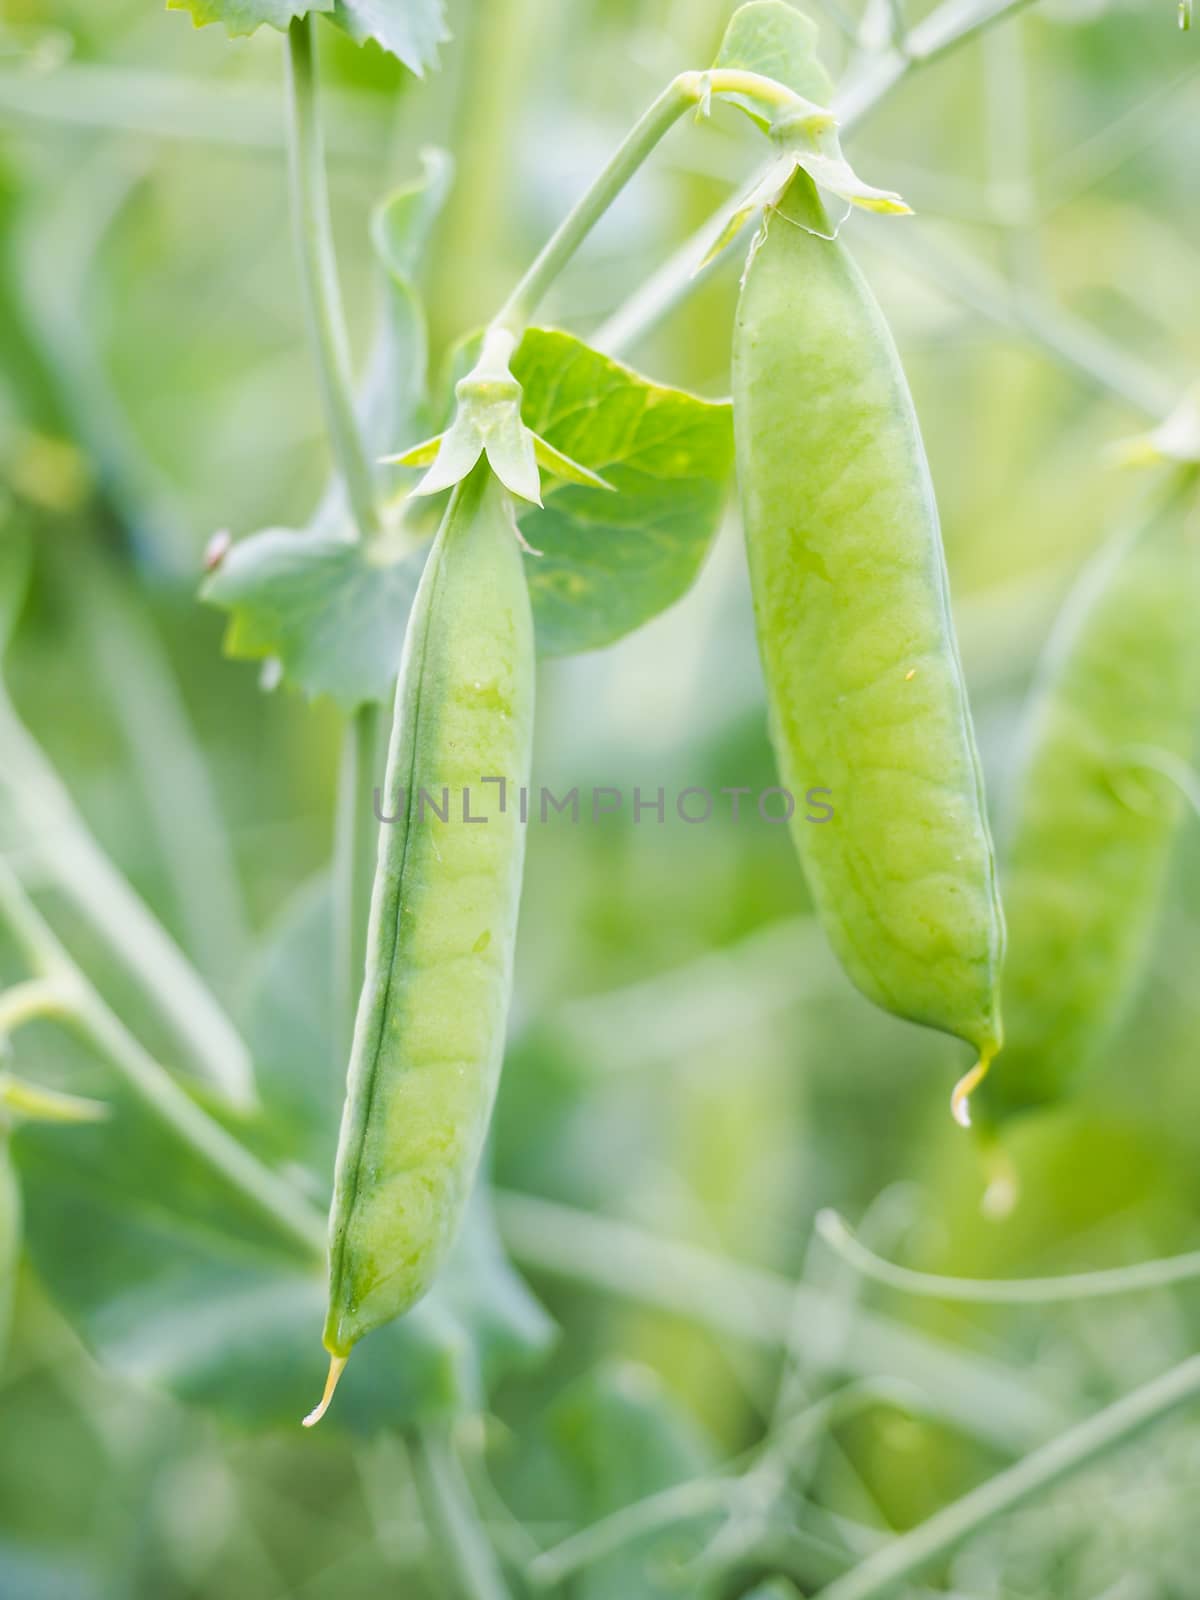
684, 272
688, 89
454, 1526
1136, 1279
318, 273
39, 999
270, 1194
892, 1567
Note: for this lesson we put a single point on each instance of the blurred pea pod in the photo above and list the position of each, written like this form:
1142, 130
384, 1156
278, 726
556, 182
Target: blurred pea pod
1108, 738
865, 690
429, 1036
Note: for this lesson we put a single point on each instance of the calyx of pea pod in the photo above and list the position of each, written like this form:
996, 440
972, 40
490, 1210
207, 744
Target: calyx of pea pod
807, 136
487, 422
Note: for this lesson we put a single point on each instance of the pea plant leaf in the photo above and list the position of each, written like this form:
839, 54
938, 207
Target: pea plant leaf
242, 17
411, 30
775, 40
327, 608
612, 558
174, 1283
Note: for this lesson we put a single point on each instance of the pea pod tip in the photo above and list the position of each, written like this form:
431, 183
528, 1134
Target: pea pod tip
337, 1365
960, 1097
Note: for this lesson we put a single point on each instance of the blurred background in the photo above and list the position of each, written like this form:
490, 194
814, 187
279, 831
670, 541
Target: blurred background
690, 1078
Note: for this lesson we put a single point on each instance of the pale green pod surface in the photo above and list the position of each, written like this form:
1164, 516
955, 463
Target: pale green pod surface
864, 686
429, 1035
1111, 728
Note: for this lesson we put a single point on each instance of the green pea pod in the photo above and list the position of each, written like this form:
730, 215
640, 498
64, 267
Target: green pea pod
1111, 727
865, 690
429, 1035
10, 1237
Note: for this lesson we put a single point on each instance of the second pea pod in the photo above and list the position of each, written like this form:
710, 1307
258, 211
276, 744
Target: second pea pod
865, 691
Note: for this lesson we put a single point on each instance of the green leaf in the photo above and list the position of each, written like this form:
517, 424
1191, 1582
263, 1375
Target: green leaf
777, 41
244, 16
611, 561
411, 30
173, 1282
332, 611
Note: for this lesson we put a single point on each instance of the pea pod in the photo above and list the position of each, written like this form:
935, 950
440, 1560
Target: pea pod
1112, 717
865, 691
429, 1034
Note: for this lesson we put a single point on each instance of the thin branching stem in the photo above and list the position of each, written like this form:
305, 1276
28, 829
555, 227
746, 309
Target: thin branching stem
890, 1569
687, 90
734, 1301
318, 273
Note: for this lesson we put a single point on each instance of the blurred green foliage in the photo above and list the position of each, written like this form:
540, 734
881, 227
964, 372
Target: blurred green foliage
686, 1058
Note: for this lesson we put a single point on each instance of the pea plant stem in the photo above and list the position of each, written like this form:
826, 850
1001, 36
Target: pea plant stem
687, 90
458, 1536
63, 850
980, 1396
354, 831
1140, 1278
867, 87
36, 999
77, 1002
354, 859
318, 273
765, 1479
897, 1563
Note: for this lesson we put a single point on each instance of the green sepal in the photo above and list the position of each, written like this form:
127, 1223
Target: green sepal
774, 40
488, 423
